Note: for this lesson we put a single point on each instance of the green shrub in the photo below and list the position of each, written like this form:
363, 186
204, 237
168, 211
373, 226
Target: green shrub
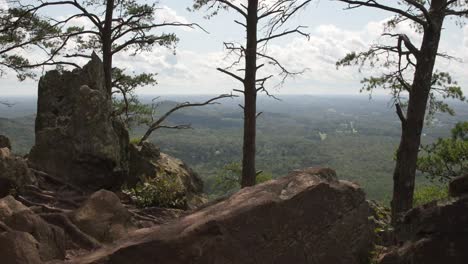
429, 193
229, 178
162, 191
263, 177
135, 141
447, 157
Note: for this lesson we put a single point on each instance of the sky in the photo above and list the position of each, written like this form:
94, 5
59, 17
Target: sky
334, 32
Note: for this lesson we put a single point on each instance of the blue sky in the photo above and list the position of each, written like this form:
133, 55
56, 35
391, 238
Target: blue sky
334, 32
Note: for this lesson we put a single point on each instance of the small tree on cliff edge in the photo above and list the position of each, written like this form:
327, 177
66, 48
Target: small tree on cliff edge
263, 22
446, 158
111, 27
412, 72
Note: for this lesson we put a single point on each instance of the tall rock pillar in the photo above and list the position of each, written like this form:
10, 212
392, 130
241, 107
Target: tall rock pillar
76, 137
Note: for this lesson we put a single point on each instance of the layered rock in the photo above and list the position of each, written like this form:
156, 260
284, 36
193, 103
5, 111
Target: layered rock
306, 217
147, 161
50, 240
103, 217
5, 142
14, 173
459, 186
76, 138
432, 234
18, 248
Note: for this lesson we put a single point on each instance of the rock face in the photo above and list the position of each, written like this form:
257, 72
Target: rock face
459, 186
14, 172
18, 248
50, 239
305, 217
433, 234
76, 139
104, 217
5, 142
148, 161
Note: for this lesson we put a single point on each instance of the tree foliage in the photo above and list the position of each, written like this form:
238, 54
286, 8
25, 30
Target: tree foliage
409, 73
429, 193
21, 32
161, 191
447, 157
398, 77
25, 25
106, 27
228, 178
127, 106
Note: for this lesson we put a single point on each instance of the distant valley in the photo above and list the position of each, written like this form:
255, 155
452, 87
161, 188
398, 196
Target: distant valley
353, 135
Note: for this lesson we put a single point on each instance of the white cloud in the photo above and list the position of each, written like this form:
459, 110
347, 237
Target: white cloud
3, 5
167, 14
465, 37
195, 72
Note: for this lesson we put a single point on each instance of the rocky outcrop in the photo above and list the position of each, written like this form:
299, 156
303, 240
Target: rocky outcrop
432, 234
5, 142
147, 161
18, 248
14, 173
459, 186
76, 138
50, 239
103, 217
306, 217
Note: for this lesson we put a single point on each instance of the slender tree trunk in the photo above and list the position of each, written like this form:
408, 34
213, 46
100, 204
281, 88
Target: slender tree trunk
250, 98
107, 46
407, 155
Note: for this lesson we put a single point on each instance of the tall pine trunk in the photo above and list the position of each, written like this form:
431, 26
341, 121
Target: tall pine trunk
250, 98
407, 155
107, 46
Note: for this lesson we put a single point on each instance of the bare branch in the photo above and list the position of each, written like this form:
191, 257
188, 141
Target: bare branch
375, 4
158, 123
400, 114
233, 6
284, 33
231, 74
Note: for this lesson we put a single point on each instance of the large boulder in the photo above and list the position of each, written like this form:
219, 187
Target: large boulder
76, 138
14, 172
459, 186
432, 234
5, 142
305, 217
147, 161
18, 248
103, 217
18, 217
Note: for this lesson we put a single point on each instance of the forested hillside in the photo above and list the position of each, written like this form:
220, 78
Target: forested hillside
354, 135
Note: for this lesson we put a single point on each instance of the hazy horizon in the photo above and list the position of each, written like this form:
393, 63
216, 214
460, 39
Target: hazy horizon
334, 32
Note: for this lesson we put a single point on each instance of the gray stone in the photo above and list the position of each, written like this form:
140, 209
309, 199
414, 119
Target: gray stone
76, 138
18, 248
104, 217
306, 217
5, 142
432, 234
459, 186
14, 173
20, 218
148, 161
